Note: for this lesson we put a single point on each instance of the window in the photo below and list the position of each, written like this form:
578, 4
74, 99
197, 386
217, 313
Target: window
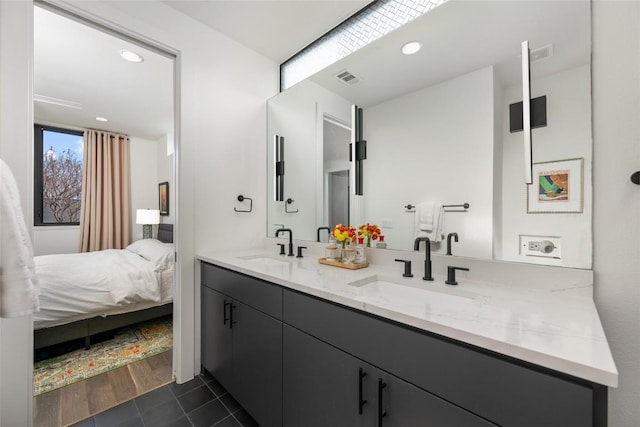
58, 175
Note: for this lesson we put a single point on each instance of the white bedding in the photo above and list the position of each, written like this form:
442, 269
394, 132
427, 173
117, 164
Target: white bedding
79, 286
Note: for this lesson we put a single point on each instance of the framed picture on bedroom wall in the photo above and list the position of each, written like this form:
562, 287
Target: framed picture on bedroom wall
163, 197
556, 188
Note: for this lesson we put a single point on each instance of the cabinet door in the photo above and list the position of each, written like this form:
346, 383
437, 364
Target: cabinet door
257, 364
322, 386
216, 335
400, 404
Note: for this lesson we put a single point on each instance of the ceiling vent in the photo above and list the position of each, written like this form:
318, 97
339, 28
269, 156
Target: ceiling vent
543, 52
347, 77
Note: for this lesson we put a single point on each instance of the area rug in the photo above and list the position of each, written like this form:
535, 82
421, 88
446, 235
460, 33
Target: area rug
129, 344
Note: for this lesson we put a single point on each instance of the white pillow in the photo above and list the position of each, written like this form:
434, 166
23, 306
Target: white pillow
159, 253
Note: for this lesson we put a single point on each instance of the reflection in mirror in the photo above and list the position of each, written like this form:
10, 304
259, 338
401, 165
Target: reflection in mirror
437, 128
335, 142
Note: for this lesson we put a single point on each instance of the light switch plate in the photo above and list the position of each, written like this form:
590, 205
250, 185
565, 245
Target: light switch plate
386, 223
541, 246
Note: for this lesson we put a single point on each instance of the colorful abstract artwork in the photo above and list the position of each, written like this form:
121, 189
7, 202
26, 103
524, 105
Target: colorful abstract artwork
557, 187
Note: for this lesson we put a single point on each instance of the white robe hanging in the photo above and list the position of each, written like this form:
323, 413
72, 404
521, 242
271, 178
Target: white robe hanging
18, 283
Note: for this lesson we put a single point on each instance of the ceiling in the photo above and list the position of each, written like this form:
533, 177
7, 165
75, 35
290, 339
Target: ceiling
497, 29
275, 29
81, 75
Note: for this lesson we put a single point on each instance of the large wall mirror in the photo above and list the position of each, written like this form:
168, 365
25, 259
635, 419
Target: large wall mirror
437, 127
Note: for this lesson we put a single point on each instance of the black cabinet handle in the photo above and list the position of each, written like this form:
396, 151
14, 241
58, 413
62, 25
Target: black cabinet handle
381, 412
224, 312
361, 402
231, 321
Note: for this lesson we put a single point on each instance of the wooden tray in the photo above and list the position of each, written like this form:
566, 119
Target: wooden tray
343, 264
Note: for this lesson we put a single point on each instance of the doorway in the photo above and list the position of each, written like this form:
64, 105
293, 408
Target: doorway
335, 142
69, 92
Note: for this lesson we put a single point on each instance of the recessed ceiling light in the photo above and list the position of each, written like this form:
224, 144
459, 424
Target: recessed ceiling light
411, 47
102, 119
131, 56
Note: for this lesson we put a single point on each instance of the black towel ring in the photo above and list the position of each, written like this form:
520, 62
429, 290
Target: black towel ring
287, 203
241, 198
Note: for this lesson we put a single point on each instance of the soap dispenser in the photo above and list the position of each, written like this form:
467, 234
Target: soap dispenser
361, 254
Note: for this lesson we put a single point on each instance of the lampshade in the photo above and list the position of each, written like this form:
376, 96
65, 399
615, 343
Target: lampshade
147, 216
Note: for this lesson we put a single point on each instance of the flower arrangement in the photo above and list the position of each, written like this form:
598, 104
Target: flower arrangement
344, 234
370, 231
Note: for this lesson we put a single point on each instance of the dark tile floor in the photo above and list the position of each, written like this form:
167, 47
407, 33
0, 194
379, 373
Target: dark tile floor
201, 402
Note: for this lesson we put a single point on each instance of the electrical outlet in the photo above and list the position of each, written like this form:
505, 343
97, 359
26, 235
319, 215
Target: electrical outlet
386, 223
541, 246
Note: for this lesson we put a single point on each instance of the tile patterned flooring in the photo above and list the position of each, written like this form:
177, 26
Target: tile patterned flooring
201, 402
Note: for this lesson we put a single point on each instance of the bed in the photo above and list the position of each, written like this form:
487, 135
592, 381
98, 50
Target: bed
85, 294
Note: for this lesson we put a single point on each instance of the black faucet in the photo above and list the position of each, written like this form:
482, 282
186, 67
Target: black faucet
282, 230
427, 253
449, 236
318, 232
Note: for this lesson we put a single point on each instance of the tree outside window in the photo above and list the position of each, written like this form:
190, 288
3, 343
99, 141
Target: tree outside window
58, 178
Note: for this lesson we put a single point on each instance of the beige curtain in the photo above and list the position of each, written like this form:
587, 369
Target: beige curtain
104, 216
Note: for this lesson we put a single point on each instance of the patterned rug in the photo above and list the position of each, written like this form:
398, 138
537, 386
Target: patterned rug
128, 345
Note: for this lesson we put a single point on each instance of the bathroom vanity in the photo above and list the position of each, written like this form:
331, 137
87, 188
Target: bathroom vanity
299, 343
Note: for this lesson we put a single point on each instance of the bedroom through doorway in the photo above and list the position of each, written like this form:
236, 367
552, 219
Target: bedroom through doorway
109, 335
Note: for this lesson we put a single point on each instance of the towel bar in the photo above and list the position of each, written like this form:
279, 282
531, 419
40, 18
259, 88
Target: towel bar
465, 206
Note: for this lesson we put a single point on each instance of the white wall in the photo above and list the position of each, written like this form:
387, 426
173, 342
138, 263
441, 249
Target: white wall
143, 176
616, 213
436, 123
165, 172
56, 240
566, 136
16, 149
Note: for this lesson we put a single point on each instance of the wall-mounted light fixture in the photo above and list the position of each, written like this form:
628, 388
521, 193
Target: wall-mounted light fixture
278, 167
357, 150
526, 112
147, 217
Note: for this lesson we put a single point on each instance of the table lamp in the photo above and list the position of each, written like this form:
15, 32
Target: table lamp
147, 217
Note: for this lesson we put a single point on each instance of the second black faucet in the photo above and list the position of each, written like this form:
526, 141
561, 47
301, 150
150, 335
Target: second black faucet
282, 230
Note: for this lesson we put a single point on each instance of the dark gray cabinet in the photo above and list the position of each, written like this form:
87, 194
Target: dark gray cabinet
216, 335
242, 345
257, 364
506, 392
294, 360
324, 386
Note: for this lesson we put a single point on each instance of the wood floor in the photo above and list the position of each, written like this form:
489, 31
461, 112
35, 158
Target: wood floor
75, 402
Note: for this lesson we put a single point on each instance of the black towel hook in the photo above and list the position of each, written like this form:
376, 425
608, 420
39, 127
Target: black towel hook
241, 198
635, 178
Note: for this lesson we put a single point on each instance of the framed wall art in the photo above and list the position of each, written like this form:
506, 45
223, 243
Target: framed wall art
557, 187
163, 197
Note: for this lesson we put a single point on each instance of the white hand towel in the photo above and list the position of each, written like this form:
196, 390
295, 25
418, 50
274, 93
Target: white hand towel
429, 221
18, 285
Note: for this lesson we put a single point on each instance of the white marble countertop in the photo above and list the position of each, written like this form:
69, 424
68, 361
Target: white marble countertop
550, 329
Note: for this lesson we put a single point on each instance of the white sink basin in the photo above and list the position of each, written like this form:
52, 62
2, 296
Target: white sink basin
265, 261
383, 290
